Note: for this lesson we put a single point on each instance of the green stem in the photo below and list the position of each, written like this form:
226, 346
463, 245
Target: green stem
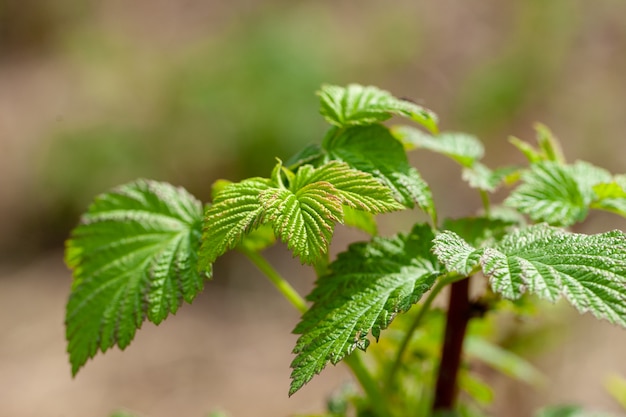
369, 385
444, 281
484, 196
353, 361
275, 278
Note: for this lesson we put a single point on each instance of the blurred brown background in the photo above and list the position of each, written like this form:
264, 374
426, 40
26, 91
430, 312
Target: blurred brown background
95, 93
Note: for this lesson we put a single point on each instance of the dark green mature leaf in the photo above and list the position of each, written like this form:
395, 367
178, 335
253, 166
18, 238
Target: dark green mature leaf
356, 105
366, 287
133, 256
309, 155
461, 147
235, 212
588, 270
550, 193
374, 150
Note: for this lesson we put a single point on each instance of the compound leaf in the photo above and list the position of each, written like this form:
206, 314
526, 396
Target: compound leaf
366, 287
374, 150
588, 270
133, 257
461, 147
235, 212
356, 105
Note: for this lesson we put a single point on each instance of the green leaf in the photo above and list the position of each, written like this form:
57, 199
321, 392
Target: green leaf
361, 220
309, 155
588, 270
549, 147
258, 239
478, 390
133, 256
357, 189
455, 253
616, 386
483, 178
304, 219
611, 196
366, 287
550, 193
504, 361
356, 105
235, 212
374, 150
549, 144
479, 231
461, 147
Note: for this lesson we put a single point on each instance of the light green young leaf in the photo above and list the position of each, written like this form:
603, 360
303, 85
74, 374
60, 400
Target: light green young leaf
304, 219
235, 212
550, 193
611, 196
461, 147
360, 219
367, 286
588, 270
616, 386
549, 144
133, 256
478, 390
504, 361
357, 189
549, 147
372, 149
356, 105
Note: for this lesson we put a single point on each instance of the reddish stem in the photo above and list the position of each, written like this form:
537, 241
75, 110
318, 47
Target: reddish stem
459, 314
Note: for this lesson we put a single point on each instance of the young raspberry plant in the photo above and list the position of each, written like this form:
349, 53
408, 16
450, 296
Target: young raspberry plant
145, 247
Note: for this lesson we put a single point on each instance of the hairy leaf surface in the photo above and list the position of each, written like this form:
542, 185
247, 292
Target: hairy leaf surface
304, 219
366, 287
550, 193
357, 189
356, 105
374, 150
235, 212
455, 253
588, 270
133, 257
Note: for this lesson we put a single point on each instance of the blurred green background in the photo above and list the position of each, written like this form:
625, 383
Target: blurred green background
94, 94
